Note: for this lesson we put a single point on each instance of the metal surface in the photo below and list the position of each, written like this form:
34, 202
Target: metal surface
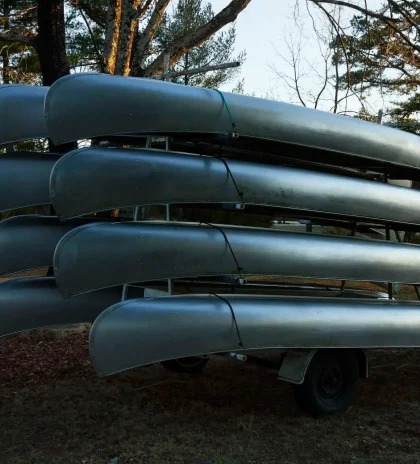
76, 109
186, 286
139, 332
95, 179
295, 364
24, 179
101, 255
32, 303
28, 242
22, 113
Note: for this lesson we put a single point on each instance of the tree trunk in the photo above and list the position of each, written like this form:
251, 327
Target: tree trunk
127, 32
50, 43
112, 35
6, 64
186, 77
5, 51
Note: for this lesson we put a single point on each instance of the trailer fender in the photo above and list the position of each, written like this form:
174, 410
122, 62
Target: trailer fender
296, 362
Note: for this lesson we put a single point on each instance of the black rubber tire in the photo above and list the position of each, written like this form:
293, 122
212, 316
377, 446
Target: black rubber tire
190, 365
331, 382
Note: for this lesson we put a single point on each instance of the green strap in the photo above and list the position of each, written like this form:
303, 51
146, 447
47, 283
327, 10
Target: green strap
232, 121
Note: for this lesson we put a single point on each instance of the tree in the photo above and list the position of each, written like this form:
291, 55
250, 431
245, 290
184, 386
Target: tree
380, 52
314, 81
48, 42
187, 16
18, 60
132, 25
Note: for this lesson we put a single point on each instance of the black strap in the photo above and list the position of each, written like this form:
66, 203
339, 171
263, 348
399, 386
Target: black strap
240, 194
228, 244
233, 316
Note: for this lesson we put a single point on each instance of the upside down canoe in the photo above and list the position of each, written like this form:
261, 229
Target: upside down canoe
101, 255
83, 106
143, 331
94, 179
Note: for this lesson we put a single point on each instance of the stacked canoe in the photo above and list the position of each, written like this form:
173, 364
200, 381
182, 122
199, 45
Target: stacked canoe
219, 149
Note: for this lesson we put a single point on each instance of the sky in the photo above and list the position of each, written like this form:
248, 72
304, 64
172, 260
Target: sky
260, 30
263, 29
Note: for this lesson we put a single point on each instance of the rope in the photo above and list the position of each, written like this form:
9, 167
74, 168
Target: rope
239, 269
240, 194
233, 316
232, 121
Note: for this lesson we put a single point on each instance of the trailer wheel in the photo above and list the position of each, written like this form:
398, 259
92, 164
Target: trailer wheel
330, 382
190, 365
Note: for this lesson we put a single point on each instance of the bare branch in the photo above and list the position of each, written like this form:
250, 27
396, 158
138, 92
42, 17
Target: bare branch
97, 52
202, 69
143, 41
193, 39
404, 14
370, 13
389, 21
17, 38
143, 9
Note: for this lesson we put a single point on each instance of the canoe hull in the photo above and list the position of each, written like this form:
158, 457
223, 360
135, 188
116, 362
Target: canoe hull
90, 180
28, 242
142, 251
131, 333
24, 179
311, 134
22, 113
32, 303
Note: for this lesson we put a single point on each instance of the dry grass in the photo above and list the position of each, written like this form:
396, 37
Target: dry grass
55, 410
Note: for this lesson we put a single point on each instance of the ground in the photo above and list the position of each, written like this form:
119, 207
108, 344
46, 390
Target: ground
53, 409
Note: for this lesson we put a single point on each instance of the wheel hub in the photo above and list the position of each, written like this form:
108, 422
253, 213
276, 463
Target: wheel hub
331, 382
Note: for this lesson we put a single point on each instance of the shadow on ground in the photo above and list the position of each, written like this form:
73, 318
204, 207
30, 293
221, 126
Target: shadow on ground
55, 410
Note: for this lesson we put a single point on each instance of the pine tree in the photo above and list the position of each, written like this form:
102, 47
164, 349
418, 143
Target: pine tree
187, 16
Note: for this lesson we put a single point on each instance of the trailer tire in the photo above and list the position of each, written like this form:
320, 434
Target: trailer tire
190, 365
330, 383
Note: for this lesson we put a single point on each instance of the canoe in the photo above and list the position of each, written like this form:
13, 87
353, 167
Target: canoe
94, 179
22, 113
130, 333
102, 255
103, 105
24, 179
36, 302
28, 241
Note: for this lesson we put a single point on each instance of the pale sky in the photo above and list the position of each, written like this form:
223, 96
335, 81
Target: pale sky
262, 28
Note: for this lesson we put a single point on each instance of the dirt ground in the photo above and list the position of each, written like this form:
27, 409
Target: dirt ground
53, 409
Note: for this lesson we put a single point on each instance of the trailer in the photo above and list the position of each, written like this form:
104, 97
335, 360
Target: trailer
177, 292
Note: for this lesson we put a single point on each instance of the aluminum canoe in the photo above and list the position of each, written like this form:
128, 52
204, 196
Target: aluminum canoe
33, 303
102, 255
144, 331
24, 179
22, 113
28, 242
90, 105
95, 179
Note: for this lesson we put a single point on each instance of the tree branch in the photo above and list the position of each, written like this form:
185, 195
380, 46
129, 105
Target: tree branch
92, 9
193, 39
144, 39
17, 38
386, 19
358, 8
